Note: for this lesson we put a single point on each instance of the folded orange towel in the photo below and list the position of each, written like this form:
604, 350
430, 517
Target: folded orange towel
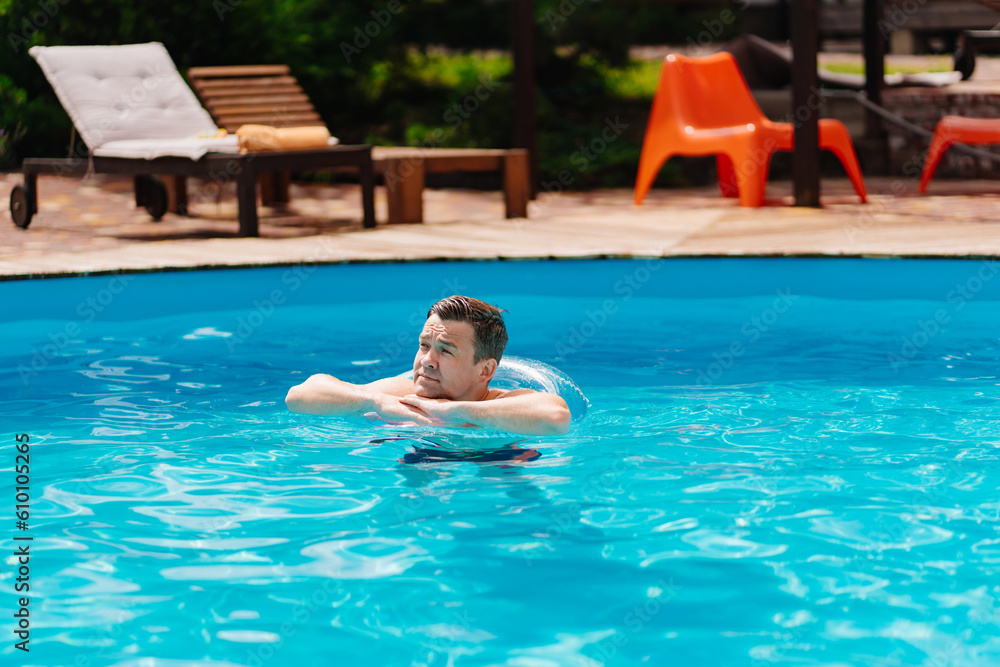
267, 138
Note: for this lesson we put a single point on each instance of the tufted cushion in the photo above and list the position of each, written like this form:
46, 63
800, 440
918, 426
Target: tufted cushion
127, 93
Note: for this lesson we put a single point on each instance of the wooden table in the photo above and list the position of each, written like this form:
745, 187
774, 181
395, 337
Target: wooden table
404, 170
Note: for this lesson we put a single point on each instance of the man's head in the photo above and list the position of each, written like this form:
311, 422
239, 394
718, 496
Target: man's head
461, 344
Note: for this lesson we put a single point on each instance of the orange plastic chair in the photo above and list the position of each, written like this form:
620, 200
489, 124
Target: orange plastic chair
961, 129
703, 106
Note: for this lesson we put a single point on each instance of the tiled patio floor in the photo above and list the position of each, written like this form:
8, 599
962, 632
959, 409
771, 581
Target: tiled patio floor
93, 226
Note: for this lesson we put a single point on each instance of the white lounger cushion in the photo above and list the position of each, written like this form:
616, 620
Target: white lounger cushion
192, 147
129, 101
147, 149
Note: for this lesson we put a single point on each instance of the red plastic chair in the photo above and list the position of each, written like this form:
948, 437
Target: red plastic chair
703, 106
957, 128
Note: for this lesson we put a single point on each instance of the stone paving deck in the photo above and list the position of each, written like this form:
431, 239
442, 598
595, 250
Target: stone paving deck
93, 226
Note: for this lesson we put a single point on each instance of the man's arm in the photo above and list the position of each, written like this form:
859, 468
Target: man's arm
520, 411
326, 395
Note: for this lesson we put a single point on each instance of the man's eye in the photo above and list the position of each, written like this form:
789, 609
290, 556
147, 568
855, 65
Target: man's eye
446, 351
424, 346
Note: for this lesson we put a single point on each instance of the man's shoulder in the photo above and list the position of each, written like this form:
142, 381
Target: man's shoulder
397, 385
507, 393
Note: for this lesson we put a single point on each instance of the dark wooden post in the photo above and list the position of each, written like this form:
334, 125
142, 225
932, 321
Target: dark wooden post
805, 101
522, 24
874, 47
874, 50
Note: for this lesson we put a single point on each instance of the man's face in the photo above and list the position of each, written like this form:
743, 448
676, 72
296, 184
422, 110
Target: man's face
444, 366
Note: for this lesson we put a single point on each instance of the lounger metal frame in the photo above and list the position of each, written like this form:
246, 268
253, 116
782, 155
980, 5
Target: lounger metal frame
243, 168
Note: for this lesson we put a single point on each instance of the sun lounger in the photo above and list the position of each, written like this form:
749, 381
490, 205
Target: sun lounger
767, 66
270, 95
238, 95
137, 116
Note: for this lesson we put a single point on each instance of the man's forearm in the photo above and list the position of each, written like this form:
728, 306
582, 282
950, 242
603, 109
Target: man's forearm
326, 395
530, 414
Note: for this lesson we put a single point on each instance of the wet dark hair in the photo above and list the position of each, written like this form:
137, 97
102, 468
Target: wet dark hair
490, 333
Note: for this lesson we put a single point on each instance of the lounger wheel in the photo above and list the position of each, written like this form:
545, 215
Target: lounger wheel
151, 194
20, 206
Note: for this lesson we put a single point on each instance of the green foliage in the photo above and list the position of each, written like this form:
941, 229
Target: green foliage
635, 80
430, 72
13, 112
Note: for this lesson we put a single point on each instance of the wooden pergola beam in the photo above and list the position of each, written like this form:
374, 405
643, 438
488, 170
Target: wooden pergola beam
874, 51
522, 24
805, 90
805, 101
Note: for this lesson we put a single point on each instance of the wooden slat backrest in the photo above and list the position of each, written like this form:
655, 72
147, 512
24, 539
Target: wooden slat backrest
258, 94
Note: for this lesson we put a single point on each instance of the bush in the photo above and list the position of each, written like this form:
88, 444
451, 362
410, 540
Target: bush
387, 71
14, 113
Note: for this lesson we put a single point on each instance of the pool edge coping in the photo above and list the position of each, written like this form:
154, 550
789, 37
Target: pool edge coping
44, 275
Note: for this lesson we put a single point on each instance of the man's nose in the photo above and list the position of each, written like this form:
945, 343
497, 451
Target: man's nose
429, 358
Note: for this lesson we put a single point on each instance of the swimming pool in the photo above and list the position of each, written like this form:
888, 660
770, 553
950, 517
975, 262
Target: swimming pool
786, 461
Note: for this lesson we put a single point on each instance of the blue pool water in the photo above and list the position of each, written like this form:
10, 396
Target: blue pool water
785, 462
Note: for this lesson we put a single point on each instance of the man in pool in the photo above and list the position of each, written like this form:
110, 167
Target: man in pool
460, 347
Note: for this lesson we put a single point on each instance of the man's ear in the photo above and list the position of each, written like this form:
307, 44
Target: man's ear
488, 370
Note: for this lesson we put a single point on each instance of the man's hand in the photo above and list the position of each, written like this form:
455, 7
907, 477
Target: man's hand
519, 411
391, 399
396, 409
326, 395
442, 411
